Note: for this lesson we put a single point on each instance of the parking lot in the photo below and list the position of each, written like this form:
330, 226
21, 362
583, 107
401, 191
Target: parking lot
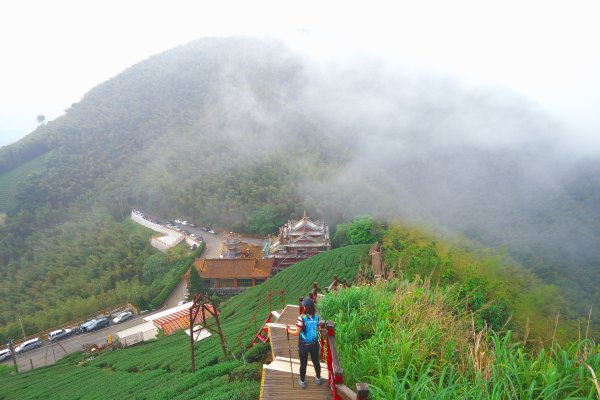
52, 351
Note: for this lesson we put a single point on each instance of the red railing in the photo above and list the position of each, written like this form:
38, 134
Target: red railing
339, 391
268, 297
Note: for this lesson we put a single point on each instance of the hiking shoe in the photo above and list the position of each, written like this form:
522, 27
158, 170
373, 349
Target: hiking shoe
302, 385
319, 381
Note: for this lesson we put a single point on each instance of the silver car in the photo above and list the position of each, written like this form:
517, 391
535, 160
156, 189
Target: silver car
59, 334
28, 345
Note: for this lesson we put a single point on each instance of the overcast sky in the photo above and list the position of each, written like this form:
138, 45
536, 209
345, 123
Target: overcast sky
53, 52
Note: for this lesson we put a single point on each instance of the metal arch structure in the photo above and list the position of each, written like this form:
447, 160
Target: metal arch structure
200, 304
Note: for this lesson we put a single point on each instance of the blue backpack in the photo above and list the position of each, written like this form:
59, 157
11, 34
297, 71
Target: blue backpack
310, 330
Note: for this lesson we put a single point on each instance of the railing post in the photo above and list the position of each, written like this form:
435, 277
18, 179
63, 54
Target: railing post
335, 282
301, 309
330, 326
323, 340
315, 291
362, 391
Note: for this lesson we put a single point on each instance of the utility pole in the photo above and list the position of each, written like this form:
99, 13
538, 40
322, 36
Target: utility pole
14, 356
21, 323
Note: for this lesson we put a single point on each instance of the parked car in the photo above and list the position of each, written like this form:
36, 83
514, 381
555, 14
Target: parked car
59, 334
205, 228
192, 225
177, 221
184, 222
125, 315
83, 327
98, 324
5, 354
212, 232
28, 345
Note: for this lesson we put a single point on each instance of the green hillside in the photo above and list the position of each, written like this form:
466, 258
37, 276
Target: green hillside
10, 182
161, 369
225, 131
407, 338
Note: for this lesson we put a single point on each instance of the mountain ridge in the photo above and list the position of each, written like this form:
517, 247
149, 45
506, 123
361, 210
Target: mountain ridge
217, 128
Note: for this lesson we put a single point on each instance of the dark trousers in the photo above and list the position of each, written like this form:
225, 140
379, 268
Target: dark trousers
304, 349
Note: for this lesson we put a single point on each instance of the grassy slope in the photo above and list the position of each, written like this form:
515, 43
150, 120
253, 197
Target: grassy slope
161, 369
10, 181
413, 340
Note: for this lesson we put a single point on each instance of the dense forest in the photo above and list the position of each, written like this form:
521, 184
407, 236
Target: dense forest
225, 130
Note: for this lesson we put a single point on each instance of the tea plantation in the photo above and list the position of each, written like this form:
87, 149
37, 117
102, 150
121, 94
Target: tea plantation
161, 369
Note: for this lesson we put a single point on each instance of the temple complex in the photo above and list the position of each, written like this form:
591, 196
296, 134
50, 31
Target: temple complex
297, 240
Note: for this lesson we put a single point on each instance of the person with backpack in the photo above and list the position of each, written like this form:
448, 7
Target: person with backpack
307, 328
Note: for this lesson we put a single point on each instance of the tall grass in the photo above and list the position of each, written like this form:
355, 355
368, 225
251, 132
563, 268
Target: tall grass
411, 340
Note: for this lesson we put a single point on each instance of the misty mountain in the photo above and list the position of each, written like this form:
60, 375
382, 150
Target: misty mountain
218, 128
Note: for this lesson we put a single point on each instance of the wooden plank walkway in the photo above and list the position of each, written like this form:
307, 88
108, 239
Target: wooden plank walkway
277, 379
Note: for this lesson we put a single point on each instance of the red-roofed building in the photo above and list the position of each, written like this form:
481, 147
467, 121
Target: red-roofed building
230, 276
297, 240
177, 320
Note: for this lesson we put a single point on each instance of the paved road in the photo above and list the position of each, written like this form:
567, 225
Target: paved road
213, 249
53, 351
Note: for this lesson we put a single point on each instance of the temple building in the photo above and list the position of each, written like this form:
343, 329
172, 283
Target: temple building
225, 276
232, 246
297, 240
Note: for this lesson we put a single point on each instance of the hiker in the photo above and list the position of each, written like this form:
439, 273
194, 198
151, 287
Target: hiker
307, 327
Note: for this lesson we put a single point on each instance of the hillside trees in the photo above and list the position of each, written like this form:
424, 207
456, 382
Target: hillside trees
70, 270
155, 266
266, 220
362, 230
196, 286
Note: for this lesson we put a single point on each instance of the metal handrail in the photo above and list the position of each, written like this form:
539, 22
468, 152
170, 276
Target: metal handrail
269, 297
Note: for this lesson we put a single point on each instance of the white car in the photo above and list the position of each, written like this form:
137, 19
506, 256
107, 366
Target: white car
28, 345
122, 317
59, 334
4, 354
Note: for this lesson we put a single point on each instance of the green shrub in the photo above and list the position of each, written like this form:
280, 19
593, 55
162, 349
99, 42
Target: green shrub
248, 372
258, 353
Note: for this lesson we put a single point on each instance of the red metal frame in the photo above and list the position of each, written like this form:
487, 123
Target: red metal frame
200, 301
263, 328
